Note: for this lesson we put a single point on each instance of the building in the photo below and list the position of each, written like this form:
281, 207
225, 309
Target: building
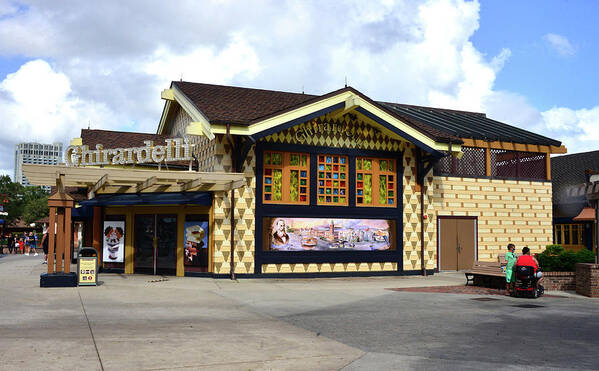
573, 213
273, 184
35, 153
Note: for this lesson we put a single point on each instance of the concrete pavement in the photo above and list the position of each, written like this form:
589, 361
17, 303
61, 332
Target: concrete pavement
134, 323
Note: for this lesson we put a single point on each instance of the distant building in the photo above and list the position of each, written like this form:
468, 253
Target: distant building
35, 153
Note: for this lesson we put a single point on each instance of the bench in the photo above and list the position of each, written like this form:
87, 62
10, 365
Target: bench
485, 273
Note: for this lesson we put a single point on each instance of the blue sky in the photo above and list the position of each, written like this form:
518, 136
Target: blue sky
69, 64
535, 69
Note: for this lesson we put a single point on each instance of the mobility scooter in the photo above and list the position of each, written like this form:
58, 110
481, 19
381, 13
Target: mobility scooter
525, 283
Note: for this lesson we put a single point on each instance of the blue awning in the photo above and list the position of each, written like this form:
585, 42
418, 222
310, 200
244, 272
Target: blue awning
171, 198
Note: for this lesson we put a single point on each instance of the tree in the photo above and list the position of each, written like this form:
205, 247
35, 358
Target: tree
28, 203
12, 199
35, 209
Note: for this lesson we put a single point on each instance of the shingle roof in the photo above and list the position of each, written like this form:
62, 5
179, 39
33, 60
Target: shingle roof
230, 104
236, 105
569, 170
118, 139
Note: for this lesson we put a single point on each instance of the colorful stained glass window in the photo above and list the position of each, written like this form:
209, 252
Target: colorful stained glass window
286, 177
375, 182
332, 180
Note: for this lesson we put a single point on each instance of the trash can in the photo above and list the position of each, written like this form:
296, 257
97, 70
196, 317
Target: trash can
87, 266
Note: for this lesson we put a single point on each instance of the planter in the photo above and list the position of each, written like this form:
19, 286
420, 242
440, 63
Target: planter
587, 279
560, 281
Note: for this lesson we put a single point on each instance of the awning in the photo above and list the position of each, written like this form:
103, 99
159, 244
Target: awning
131, 180
587, 214
178, 198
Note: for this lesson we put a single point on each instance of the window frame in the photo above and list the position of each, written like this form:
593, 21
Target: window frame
376, 173
286, 169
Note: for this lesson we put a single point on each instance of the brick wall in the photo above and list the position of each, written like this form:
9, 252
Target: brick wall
514, 211
587, 279
560, 281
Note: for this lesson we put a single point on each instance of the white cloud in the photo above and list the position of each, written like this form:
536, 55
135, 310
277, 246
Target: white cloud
560, 44
37, 104
107, 62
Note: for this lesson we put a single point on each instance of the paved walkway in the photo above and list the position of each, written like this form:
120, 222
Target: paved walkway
140, 323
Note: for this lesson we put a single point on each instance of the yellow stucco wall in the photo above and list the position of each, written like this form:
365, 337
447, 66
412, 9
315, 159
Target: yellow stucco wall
513, 211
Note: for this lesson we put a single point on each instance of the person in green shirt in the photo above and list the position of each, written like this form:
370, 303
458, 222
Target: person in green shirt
511, 258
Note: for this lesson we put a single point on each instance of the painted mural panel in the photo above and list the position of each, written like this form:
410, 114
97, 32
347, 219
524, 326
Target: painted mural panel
328, 234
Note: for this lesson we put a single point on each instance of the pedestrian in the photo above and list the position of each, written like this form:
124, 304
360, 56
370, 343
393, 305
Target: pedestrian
11, 243
45, 245
26, 243
33, 243
21, 245
510, 257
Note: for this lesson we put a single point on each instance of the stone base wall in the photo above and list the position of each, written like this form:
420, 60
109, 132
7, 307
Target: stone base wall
560, 281
587, 279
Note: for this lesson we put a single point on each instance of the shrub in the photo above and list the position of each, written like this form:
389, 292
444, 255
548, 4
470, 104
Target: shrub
556, 259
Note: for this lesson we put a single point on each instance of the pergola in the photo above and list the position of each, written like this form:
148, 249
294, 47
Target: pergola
111, 180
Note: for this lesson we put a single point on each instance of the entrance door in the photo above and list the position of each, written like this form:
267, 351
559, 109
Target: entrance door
457, 243
155, 243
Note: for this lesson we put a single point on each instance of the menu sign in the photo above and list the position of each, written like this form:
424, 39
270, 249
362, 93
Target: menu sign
87, 271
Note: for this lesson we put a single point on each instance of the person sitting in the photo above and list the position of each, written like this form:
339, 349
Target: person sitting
527, 260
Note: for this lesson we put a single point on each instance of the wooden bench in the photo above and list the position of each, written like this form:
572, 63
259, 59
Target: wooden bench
485, 273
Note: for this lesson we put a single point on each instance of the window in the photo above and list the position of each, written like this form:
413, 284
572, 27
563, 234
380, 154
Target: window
569, 234
375, 182
286, 178
332, 180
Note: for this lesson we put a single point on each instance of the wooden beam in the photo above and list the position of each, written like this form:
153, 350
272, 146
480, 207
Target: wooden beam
99, 184
60, 183
191, 184
524, 147
146, 184
235, 184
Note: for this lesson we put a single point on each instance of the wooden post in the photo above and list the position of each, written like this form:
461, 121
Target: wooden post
60, 240
67, 240
548, 165
97, 239
180, 272
488, 161
129, 251
51, 239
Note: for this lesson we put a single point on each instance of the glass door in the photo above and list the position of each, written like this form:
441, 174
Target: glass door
144, 243
155, 244
166, 244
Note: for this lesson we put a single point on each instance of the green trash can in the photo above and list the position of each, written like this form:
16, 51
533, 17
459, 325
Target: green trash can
87, 266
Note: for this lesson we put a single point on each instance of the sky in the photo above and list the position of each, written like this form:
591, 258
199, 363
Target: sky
67, 65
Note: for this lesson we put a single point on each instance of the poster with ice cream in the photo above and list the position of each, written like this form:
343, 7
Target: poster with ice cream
196, 243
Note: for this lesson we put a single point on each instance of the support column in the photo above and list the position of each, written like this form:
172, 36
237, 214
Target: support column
67, 240
60, 240
51, 239
97, 239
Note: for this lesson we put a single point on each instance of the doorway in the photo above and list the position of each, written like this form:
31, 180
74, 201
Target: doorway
155, 243
457, 243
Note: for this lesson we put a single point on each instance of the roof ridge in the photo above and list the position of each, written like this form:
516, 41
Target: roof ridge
245, 88
124, 132
574, 154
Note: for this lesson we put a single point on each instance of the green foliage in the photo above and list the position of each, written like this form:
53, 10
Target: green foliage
35, 209
556, 259
29, 203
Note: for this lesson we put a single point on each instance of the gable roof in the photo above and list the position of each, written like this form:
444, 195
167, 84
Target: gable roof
569, 170
244, 106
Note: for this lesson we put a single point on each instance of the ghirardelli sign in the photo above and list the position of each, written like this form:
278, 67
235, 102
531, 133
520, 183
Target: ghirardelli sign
176, 149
